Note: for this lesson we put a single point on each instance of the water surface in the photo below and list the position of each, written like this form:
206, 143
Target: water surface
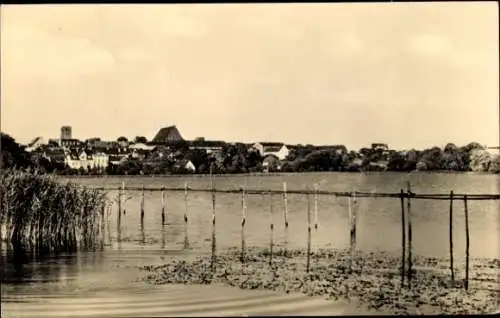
112, 270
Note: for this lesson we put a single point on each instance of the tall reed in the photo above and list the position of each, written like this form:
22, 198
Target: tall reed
39, 213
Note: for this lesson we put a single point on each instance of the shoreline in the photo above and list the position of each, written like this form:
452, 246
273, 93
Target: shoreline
375, 280
272, 174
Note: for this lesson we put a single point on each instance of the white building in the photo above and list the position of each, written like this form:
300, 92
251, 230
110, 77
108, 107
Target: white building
86, 161
190, 166
279, 150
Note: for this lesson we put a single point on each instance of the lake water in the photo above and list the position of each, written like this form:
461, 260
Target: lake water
378, 225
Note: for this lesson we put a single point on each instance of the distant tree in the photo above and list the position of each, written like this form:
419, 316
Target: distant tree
122, 139
450, 148
472, 146
397, 162
111, 169
480, 160
13, 154
253, 158
140, 139
130, 167
199, 158
365, 151
494, 164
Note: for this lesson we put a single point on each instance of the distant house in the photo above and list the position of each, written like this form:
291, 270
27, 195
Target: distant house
141, 151
92, 141
86, 160
339, 149
208, 145
117, 155
55, 155
101, 160
186, 164
378, 146
279, 150
116, 159
190, 166
70, 143
104, 145
141, 146
167, 135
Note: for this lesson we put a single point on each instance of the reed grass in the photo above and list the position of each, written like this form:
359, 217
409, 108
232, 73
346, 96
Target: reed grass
39, 213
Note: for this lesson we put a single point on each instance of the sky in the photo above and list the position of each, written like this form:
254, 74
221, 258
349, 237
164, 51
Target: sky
412, 75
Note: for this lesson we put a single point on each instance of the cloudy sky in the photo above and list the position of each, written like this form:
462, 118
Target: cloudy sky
408, 74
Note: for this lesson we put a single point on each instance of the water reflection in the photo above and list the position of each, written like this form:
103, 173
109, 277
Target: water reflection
163, 234
142, 233
20, 267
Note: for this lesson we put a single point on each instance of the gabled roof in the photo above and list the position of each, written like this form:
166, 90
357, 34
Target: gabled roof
170, 133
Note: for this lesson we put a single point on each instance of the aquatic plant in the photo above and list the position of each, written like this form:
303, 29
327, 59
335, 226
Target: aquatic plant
374, 281
38, 212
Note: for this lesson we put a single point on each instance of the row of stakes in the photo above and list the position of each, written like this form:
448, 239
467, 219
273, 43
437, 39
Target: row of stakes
406, 223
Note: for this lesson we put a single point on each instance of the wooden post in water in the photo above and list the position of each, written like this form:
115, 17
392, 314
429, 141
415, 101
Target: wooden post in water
271, 244
103, 211
308, 265
403, 238
142, 204
162, 205
315, 206
410, 264
186, 241
243, 221
214, 242
451, 237
285, 201
285, 215
466, 210
352, 222
124, 197
119, 206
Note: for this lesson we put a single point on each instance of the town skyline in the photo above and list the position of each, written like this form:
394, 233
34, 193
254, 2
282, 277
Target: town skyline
150, 138
411, 75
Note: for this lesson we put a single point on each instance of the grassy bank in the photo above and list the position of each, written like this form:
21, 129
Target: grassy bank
39, 213
375, 280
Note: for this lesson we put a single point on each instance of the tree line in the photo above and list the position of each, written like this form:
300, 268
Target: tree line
239, 158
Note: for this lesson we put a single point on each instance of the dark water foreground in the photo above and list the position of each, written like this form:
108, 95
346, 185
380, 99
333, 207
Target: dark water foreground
106, 284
